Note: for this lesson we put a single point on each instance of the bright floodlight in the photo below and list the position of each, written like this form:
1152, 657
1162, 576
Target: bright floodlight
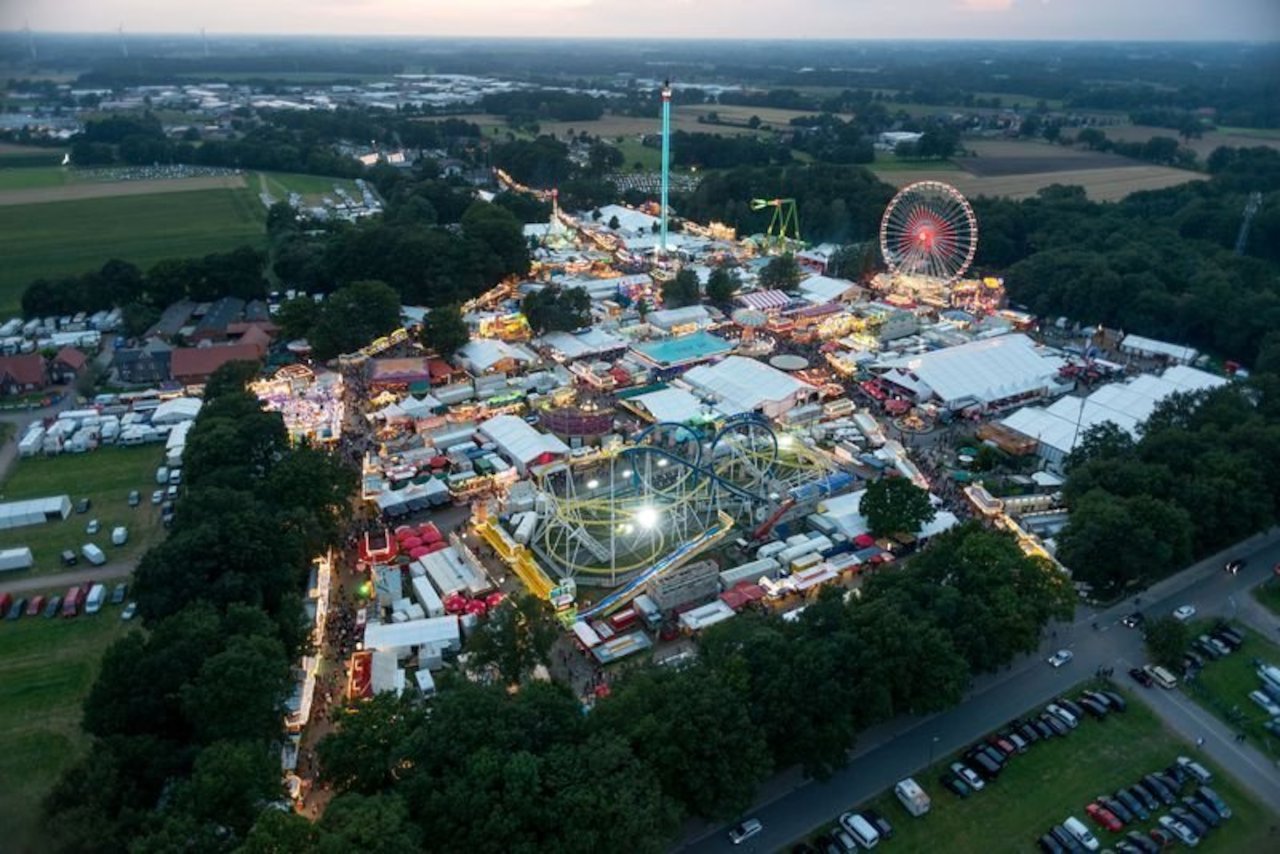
662, 462
626, 472
647, 517
593, 483
785, 440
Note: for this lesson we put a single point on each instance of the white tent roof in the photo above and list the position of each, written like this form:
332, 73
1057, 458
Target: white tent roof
741, 384
983, 371
433, 631
1125, 404
820, 289
1159, 348
481, 354
670, 404
178, 409
589, 342
669, 317
842, 511
520, 441
33, 511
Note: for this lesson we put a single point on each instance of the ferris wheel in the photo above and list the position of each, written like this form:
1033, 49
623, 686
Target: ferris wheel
929, 229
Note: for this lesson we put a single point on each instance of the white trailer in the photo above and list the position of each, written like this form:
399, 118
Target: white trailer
427, 597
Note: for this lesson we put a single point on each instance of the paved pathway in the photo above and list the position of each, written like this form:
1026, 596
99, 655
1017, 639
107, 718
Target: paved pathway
790, 806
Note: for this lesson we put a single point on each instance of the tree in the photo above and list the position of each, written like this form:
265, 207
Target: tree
614, 224
353, 316
895, 505
296, 317
691, 727
516, 638
681, 290
1113, 543
722, 284
444, 330
782, 272
279, 832
230, 378
379, 824
554, 309
1167, 639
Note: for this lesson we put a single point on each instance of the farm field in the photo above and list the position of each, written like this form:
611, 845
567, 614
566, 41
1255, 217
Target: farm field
682, 118
1058, 778
104, 476
65, 237
1204, 146
46, 670
18, 156
30, 177
889, 162
49, 188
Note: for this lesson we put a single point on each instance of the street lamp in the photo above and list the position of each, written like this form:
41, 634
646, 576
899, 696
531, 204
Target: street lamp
932, 744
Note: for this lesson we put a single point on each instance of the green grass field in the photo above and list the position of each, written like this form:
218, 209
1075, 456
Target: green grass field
1223, 687
46, 670
58, 238
32, 176
1268, 593
1260, 133
104, 476
1058, 778
889, 162
310, 187
22, 156
633, 152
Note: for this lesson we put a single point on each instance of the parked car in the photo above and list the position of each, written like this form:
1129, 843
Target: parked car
1083, 835
1042, 729
52, 607
955, 785
1071, 707
1184, 834
1265, 703
1161, 837
35, 605
1060, 657
1055, 723
1210, 797
1201, 644
1116, 701
1149, 800
16, 609
968, 775
1145, 843
1221, 647
744, 831
880, 823
118, 593
1094, 708
135, 498
83, 505
1133, 804
1104, 817
1202, 811
1028, 732
1065, 839
844, 840
1226, 630
1197, 770
129, 611
1049, 845
1157, 787
1234, 565
69, 557
1184, 612
1184, 815
1134, 620
984, 765
157, 496
1140, 676
1195, 660
1118, 809
1003, 745
1063, 715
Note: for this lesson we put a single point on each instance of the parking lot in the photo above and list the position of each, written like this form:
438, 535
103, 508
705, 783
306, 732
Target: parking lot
1230, 687
1056, 778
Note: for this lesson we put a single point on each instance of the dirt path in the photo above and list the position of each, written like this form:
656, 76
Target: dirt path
106, 189
63, 580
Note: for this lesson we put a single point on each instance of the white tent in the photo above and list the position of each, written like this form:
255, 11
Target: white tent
35, 511
176, 410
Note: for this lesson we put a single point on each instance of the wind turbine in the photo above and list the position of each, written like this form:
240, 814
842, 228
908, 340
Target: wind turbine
124, 48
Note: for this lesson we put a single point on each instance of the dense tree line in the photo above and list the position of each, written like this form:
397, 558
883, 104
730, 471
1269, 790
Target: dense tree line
835, 203
185, 716
490, 769
1204, 473
713, 151
238, 273
533, 105
1158, 263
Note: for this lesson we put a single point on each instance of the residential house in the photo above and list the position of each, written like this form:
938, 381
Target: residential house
24, 373
194, 365
146, 365
68, 364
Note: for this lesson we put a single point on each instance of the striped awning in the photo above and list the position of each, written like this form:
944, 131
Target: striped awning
772, 300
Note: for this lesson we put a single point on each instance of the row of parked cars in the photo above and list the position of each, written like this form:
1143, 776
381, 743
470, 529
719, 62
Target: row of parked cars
983, 762
855, 830
1187, 819
87, 598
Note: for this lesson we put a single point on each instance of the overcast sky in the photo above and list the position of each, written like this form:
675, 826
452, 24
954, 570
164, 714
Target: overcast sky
1252, 20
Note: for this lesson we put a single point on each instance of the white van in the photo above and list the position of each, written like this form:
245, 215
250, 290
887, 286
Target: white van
860, 829
119, 535
1162, 677
1077, 829
162, 475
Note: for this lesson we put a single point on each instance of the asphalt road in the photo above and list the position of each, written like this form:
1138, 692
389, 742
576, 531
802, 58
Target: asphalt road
62, 580
790, 807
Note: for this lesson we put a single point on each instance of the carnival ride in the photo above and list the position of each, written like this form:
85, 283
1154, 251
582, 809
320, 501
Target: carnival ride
929, 229
610, 522
784, 226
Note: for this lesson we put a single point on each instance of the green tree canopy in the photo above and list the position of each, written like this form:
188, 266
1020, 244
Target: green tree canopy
444, 330
895, 505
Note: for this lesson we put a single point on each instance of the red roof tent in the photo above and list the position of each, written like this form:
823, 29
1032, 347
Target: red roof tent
863, 541
439, 371
360, 683
429, 533
379, 548
742, 594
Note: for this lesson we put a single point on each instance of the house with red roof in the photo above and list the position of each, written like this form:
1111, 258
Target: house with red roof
23, 373
68, 364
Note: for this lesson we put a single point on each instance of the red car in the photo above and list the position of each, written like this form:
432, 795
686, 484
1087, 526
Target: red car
1104, 817
1002, 744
